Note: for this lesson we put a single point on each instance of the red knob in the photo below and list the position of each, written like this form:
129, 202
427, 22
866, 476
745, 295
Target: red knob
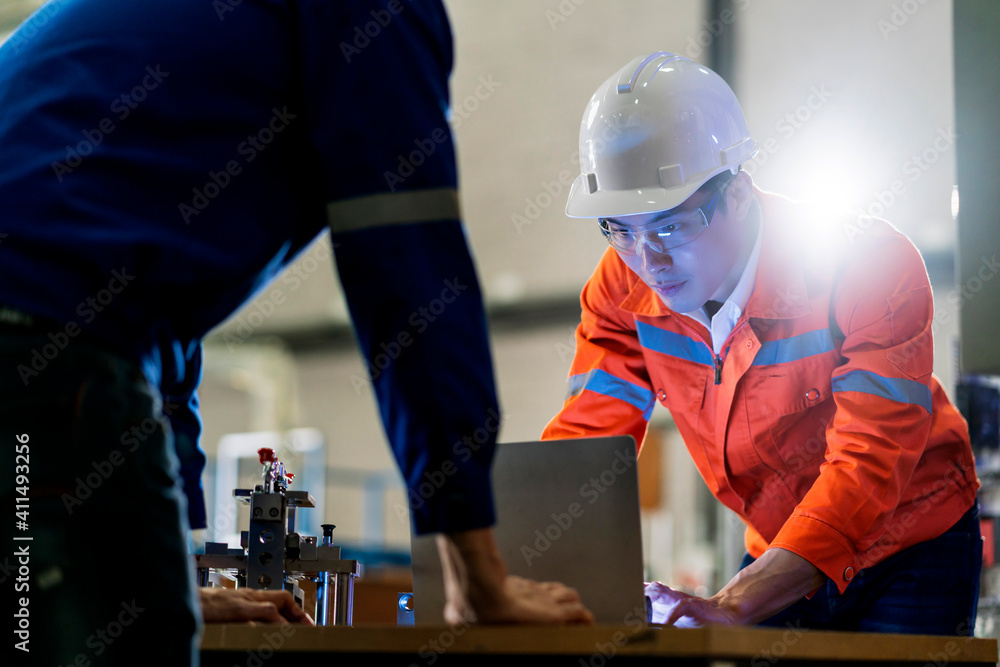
266, 455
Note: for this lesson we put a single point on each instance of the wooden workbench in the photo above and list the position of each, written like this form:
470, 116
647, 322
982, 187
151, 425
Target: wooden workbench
715, 646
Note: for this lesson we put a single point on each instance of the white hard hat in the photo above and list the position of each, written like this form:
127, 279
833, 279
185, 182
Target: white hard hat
654, 133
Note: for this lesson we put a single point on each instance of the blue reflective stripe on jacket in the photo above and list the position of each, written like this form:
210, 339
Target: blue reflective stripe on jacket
605, 383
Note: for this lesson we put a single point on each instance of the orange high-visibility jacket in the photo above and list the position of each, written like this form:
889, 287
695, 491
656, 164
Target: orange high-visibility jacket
820, 423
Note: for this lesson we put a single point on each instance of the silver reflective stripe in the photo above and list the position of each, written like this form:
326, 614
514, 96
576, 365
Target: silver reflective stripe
393, 208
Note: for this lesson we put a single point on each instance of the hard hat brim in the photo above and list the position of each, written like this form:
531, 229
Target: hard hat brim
616, 203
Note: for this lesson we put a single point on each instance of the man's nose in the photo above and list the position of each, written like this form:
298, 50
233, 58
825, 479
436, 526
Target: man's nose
652, 258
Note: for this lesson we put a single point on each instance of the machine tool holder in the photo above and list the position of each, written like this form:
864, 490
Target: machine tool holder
273, 556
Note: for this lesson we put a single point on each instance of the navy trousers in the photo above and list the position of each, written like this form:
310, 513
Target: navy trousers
107, 578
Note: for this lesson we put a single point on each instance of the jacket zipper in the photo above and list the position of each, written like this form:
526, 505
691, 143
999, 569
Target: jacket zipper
711, 350
717, 358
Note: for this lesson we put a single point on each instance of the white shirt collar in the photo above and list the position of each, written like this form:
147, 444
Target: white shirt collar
722, 324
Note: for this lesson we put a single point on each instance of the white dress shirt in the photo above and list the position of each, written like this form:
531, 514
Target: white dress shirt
722, 324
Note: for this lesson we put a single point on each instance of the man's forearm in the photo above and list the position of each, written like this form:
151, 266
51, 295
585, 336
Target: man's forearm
773, 582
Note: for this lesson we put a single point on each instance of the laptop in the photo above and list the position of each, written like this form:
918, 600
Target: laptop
567, 510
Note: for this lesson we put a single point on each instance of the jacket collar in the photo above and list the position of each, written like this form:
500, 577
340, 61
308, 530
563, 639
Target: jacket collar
780, 288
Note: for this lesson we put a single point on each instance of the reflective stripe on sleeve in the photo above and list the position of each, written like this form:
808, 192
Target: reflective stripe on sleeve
605, 383
393, 208
895, 389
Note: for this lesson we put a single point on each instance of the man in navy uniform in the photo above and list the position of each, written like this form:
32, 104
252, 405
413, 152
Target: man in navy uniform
162, 161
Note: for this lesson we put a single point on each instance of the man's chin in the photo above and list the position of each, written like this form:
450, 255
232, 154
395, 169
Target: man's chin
678, 303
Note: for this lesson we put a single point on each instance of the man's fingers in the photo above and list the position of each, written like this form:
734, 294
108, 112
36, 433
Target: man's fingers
689, 613
570, 606
288, 608
285, 606
545, 601
658, 593
251, 606
553, 590
265, 611
572, 613
562, 593
677, 613
577, 614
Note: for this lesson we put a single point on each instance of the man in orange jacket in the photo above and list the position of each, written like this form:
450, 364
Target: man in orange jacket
793, 348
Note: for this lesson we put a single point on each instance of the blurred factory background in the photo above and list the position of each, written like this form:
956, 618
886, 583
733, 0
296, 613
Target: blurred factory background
853, 103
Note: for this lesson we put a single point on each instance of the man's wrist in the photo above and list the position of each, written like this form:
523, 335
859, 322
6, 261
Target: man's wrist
477, 570
775, 581
735, 605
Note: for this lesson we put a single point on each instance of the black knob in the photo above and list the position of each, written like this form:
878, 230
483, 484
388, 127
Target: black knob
327, 531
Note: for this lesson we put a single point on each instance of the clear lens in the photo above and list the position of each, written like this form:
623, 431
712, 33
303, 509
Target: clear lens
671, 232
